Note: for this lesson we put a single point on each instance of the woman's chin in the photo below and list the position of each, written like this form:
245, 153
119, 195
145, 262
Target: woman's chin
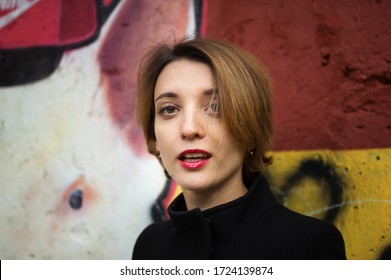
195, 184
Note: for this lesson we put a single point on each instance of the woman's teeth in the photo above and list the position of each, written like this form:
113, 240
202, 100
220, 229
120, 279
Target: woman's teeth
194, 157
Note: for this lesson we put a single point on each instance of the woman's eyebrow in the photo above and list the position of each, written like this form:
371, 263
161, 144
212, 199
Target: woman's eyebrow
166, 94
211, 91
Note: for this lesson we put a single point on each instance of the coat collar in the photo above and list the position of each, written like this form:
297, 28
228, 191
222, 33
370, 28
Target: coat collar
243, 209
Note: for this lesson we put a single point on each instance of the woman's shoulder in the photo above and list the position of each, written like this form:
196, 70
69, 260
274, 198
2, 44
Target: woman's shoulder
313, 238
300, 222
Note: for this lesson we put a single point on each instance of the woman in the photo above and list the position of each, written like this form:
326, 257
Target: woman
206, 111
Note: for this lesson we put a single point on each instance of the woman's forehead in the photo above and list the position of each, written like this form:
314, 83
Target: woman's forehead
186, 76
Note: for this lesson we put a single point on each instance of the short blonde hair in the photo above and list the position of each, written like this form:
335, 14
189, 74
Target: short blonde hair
244, 94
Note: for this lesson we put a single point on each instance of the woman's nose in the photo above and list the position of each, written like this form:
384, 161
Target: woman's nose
192, 125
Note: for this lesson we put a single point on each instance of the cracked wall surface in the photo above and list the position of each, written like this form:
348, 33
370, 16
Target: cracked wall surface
330, 64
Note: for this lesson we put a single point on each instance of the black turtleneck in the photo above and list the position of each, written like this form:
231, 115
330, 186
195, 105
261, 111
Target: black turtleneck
254, 226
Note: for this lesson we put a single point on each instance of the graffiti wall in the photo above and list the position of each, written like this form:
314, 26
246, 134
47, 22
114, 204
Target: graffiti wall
75, 180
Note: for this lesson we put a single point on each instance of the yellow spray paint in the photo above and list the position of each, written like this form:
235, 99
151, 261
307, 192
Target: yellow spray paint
364, 212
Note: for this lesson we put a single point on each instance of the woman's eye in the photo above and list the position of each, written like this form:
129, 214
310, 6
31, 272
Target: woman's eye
213, 108
167, 110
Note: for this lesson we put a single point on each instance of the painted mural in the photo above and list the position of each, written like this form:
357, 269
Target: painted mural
75, 179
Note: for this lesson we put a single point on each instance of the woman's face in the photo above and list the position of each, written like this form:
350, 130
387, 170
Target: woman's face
194, 145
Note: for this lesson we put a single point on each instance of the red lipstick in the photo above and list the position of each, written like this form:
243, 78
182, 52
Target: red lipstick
194, 158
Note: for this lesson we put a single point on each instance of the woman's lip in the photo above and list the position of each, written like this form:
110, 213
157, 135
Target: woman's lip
193, 163
193, 151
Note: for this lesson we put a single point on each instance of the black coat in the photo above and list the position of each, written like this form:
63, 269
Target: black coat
254, 226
